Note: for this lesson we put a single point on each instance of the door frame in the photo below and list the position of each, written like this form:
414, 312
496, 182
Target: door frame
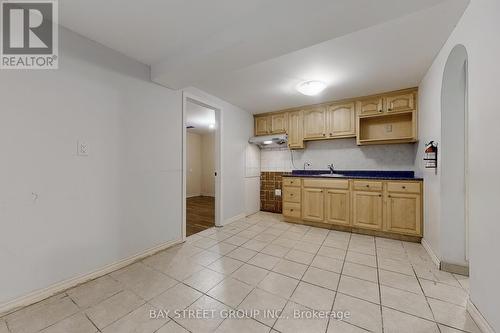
192, 98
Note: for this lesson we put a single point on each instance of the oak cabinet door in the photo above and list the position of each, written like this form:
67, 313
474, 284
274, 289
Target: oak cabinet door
279, 123
262, 125
401, 102
403, 213
341, 120
371, 106
337, 207
315, 123
313, 204
295, 130
367, 210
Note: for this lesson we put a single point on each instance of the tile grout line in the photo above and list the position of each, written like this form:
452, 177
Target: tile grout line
378, 283
338, 283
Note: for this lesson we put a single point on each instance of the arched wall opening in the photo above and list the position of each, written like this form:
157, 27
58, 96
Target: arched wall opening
453, 162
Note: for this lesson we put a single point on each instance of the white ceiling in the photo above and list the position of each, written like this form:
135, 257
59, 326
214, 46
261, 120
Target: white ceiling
252, 53
200, 117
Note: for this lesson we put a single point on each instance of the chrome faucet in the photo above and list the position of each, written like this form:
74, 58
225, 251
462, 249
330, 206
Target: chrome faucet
332, 168
306, 164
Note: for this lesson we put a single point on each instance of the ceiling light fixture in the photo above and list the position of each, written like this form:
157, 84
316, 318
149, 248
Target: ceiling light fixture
311, 88
211, 126
267, 142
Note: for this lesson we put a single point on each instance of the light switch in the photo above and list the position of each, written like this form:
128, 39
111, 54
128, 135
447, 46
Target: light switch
277, 192
388, 128
82, 148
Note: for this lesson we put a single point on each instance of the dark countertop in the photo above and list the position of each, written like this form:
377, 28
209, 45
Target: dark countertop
354, 174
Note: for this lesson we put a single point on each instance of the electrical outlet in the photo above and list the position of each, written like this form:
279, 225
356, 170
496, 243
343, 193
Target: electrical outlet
388, 128
277, 192
82, 148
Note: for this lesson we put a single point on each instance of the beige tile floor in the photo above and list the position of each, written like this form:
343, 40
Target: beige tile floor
261, 263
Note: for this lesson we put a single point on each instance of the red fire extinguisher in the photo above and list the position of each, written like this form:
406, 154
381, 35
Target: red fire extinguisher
430, 155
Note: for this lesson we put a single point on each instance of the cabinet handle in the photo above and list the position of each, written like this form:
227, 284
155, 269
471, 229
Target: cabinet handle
390, 109
331, 134
404, 187
291, 210
380, 196
291, 194
379, 110
324, 134
389, 196
367, 185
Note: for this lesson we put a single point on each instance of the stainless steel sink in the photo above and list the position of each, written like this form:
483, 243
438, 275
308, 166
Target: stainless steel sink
332, 175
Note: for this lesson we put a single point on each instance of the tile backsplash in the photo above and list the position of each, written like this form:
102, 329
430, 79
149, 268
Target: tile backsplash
270, 181
343, 153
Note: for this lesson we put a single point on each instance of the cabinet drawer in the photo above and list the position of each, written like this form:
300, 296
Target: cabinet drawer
291, 194
340, 184
289, 181
291, 209
403, 187
365, 185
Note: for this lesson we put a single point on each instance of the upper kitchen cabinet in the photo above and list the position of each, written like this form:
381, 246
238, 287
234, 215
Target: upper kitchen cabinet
275, 123
341, 120
295, 130
315, 123
400, 102
371, 105
262, 125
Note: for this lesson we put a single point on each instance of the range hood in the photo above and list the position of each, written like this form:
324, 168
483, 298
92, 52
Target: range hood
270, 141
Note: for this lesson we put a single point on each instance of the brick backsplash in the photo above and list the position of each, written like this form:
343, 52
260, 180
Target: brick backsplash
269, 181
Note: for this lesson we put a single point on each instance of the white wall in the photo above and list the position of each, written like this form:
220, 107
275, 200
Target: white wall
478, 32
194, 164
237, 128
344, 154
124, 198
208, 164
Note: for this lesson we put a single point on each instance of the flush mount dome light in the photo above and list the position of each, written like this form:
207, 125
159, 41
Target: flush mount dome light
267, 142
311, 88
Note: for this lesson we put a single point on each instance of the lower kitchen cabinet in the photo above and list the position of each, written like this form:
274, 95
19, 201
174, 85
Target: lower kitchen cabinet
403, 213
337, 207
313, 204
377, 207
367, 210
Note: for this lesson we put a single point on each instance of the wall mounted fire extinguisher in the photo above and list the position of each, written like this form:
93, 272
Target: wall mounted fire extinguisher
430, 155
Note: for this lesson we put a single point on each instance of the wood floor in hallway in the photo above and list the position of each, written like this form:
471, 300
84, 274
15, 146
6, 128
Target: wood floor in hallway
200, 214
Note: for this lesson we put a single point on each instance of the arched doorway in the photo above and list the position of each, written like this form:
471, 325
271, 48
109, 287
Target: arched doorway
454, 141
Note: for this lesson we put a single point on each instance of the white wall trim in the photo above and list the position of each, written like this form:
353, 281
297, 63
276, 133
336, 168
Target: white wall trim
434, 257
235, 218
478, 318
41, 294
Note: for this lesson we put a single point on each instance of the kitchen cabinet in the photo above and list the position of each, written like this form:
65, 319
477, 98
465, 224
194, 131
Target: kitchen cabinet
313, 204
386, 118
341, 120
403, 207
391, 208
315, 123
400, 102
337, 207
295, 130
279, 123
367, 210
372, 105
262, 125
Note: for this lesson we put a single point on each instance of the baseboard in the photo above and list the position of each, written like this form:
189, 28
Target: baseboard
431, 253
234, 218
59, 287
454, 268
478, 318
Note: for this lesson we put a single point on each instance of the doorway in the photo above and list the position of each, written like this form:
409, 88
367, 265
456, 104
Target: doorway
454, 161
201, 161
